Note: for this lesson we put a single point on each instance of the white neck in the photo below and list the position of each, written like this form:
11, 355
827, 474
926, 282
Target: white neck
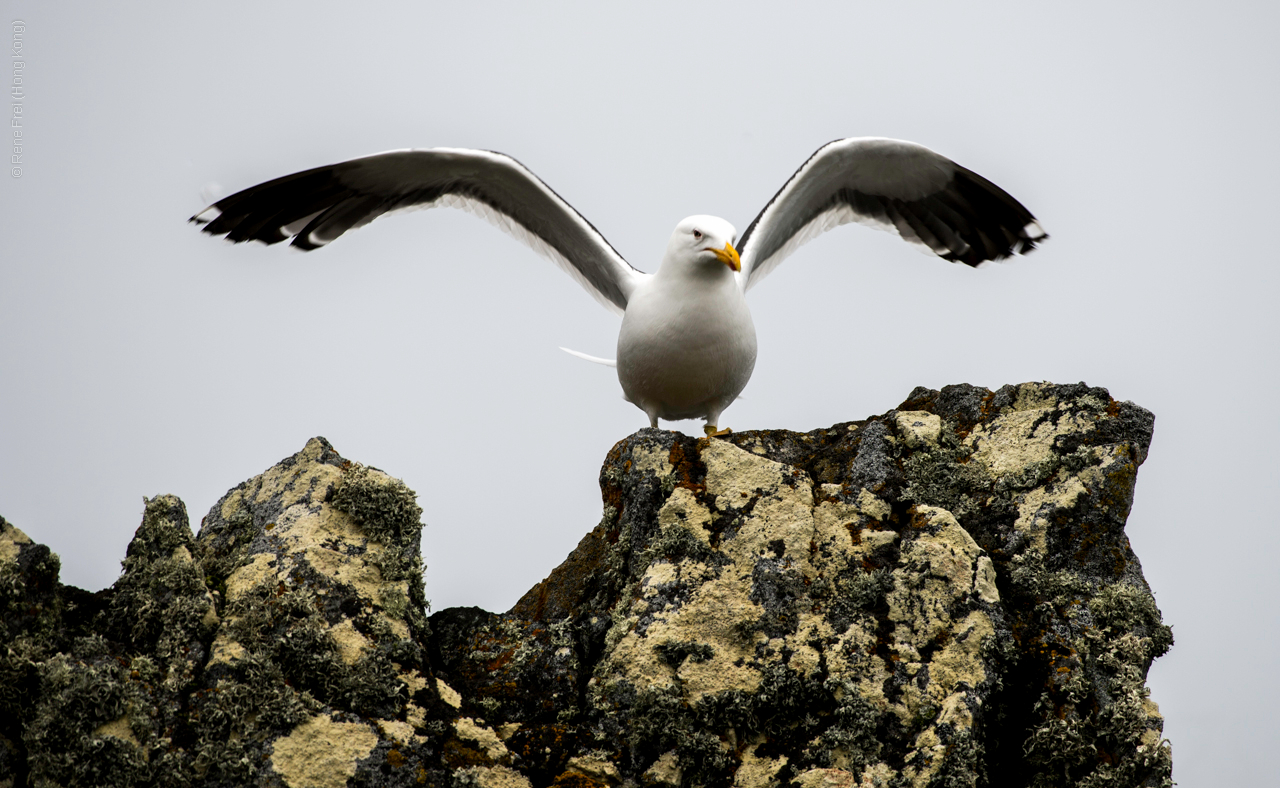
704, 272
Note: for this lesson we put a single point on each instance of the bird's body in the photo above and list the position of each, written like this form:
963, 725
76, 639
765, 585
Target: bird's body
687, 345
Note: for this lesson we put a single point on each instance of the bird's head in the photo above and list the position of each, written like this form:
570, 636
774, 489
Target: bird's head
704, 242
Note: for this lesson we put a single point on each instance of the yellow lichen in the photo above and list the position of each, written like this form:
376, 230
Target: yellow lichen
732, 471
757, 771
396, 730
877, 775
872, 506
11, 541
658, 574
682, 510
918, 427
984, 581
665, 771
226, 650
507, 729
825, 778
448, 694
119, 729
1035, 396
261, 568
936, 570
925, 758
322, 753
351, 644
960, 661
1038, 506
1022, 437
482, 736
595, 765
655, 460
297, 482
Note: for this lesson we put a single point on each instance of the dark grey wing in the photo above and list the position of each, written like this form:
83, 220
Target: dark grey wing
893, 185
316, 206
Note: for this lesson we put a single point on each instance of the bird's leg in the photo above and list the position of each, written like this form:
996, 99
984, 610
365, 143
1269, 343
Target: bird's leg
713, 415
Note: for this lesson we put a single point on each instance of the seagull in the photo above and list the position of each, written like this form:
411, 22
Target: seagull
687, 345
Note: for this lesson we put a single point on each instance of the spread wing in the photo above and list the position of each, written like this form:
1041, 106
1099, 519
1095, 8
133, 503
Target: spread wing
316, 206
893, 185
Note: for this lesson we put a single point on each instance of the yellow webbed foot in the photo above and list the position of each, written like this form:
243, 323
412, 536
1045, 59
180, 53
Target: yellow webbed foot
712, 432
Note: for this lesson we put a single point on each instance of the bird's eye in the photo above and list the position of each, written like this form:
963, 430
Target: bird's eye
697, 235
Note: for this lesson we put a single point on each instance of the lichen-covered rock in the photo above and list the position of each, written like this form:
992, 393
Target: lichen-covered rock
940, 596
318, 575
285, 642
943, 595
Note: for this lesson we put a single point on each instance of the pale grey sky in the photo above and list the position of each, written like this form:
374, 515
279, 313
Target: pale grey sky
141, 357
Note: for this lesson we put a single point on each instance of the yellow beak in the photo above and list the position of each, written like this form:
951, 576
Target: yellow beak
729, 256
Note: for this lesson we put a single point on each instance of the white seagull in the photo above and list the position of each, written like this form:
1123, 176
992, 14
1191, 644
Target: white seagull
687, 344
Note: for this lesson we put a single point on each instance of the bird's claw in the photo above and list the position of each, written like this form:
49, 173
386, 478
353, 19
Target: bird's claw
712, 432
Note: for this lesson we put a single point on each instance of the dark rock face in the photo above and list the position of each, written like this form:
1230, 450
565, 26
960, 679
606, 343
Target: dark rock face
939, 596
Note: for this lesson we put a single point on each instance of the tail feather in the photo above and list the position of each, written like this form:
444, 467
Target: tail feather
608, 362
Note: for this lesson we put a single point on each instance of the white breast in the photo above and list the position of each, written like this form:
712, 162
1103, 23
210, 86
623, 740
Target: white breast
687, 347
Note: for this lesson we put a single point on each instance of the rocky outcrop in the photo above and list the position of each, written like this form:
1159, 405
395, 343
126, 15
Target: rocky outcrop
939, 596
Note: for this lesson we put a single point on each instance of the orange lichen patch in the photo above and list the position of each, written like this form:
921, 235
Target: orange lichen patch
686, 468
457, 753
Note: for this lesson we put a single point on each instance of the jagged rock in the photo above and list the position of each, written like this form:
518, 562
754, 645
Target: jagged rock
940, 596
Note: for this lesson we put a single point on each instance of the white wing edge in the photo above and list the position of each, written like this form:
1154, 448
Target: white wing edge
513, 228
754, 270
827, 220
517, 231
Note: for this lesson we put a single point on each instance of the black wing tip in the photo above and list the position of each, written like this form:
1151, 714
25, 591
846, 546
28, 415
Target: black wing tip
994, 215
1027, 240
235, 231
263, 212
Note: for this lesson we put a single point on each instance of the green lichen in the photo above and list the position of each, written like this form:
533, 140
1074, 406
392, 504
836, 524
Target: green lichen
674, 653
852, 742
863, 591
385, 508
1124, 607
159, 606
794, 713
221, 553
962, 764
388, 512
1096, 728
286, 628
943, 477
80, 692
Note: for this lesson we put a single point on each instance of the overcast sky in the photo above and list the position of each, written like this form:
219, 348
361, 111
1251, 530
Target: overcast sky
141, 357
